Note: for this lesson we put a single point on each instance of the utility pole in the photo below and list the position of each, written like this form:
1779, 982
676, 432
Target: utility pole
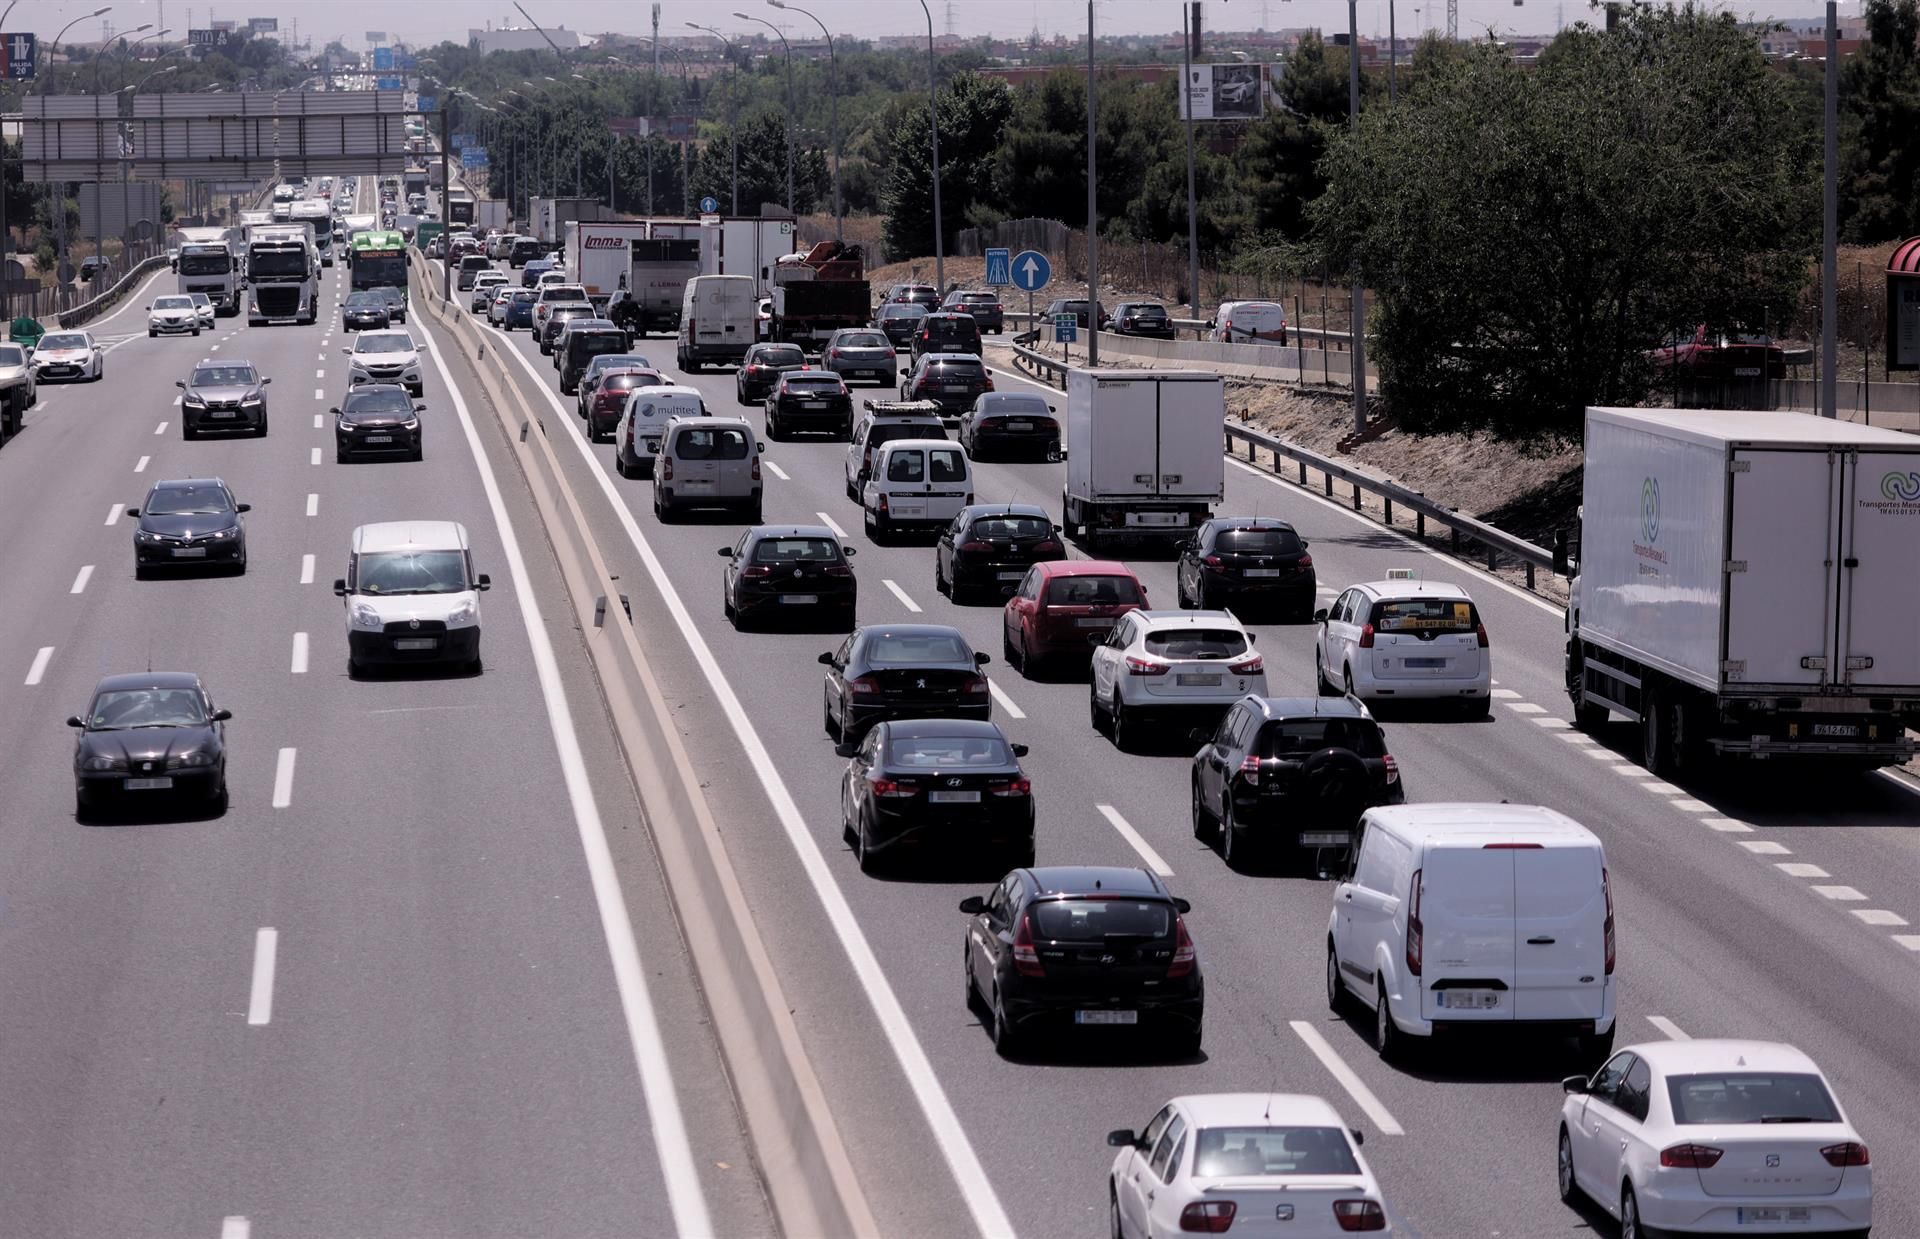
446, 188
1093, 214
653, 84
933, 119
1829, 227
1359, 324
1190, 28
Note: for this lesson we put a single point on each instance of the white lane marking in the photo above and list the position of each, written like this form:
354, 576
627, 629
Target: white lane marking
1600, 754
1633, 772
306, 569
1910, 941
80, 579
1348, 1079
1524, 707
1668, 1027
658, 1089
778, 472
1767, 847
319, 374
319, 393
39, 667
266, 949
1845, 894
1576, 737
901, 594
313, 458
1551, 723
216, 348
299, 653
176, 401
321, 356
832, 524
1727, 825
319, 421
1006, 702
113, 513
140, 466
235, 1227
283, 779
1135, 840
1693, 806
313, 505
1506, 694
970, 1176
1879, 916
1664, 788
160, 429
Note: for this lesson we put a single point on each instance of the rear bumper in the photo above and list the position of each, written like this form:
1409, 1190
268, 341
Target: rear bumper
1677, 1203
1301, 588
1367, 686
1027, 1001
1041, 446
859, 719
818, 419
961, 827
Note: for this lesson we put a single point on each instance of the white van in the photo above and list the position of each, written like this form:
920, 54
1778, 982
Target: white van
708, 462
1453, 917
412, 595
716, 321
644, 420
916, 482
1263, 322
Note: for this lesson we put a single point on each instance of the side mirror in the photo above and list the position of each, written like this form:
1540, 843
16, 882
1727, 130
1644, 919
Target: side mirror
73, 720
1181, 906
243, 507
1052, 409
1121, 1138
759, 447
1359, 1137
335, 411
266, 382
826, 659
1200, 736
980, 658
973, 905
1304, 544
1020, 750
1575, 1084
181, 384
726, 552
346, 352
906, 373
340, 587
845, 750
1320, 616
133, 511
221, 716
849, 551
483, 582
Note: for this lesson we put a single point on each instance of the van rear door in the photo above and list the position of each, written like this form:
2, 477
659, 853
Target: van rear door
1560, 916
1467, 922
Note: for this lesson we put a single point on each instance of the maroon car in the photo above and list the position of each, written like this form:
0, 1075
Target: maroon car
1064, 607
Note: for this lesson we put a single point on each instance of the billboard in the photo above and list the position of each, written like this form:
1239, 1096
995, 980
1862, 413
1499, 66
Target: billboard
106, 210
1223, 92
376, 36
263, 25
227, 25
462, 140
210, 37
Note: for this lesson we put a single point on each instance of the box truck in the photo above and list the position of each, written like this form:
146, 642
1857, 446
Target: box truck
209, 263
745, 246
600, 255
549, 217
493, 214
1144, 458
1746, 585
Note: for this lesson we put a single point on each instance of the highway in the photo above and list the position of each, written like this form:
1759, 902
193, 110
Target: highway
420, 978
1768, 908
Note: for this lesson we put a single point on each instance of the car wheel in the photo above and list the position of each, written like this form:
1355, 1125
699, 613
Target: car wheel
1203, 823
940, 585
1096, 714
1346, 678
1569, 1191
1630, 1224
1336, 988
1387, 1037
852, 493
1324, 686
262, 433
1124, 723
1180, 602
341, 456
1005, 1038
1233, 844
419, 451
217, 803
863, 848
151, 333
1115, 1230
475, 666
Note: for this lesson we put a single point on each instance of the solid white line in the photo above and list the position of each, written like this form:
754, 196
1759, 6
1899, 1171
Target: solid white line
1355, 1086
80, 579
976, 1188
1006, 702
1879, 916
306, 569
319, 393
1524, 707
113, 513
1693, 806
1551, 723
299, 653
39, 667
1600, 754
283, 779
314, 457
658, 1089
901, 594
778, 472
266, 946
1135, 840
140, 466
1845, 894
1506, 694
235, 1227
832, 524
1633, 772
313, 505
1671, 1030
160, 429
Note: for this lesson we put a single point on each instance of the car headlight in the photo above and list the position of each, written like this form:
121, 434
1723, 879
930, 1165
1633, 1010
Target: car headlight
412, 423
363, 616
232, 531
190, 761
250, 400
464, 615
104, 763
194, 402
141, 535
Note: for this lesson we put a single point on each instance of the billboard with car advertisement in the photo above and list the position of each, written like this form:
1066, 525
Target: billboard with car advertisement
1224, 92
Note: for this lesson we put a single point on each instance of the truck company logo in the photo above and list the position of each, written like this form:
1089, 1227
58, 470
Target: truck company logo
605, 243
1649, 522
1900, 494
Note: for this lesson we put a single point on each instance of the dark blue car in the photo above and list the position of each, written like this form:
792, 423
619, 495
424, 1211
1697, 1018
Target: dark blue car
520, 310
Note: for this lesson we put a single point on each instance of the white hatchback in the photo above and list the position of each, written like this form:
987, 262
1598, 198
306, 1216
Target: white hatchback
1403, 639
1195, 663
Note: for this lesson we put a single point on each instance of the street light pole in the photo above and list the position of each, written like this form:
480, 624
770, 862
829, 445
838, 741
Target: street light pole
780, 35
1359, 299
1186, 108
1093, 213
99, 207
56, 192
733, 110
933, 120
833, 93
1829, 227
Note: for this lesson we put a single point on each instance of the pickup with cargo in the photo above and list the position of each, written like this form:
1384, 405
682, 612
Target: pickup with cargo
818, 293
1143, 453
1745, 587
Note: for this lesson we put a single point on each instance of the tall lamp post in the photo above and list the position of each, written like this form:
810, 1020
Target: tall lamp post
789, 50
56, 197
733, 109
933, 120
1093, 213
126, 212
833, 93
99, 213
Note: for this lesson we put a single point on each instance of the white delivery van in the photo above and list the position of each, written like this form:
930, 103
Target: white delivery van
1244, 322
637, 438
1460, 918
1143, 454
716, 321
708, 462
412, 596
916, 482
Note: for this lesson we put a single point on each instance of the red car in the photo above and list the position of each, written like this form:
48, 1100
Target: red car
1065, 607
610, 399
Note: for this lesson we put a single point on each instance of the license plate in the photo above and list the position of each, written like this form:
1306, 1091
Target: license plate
147, 785
909, 509
1325, 838
1008, 576
813, 404
954, 797
800, 599
1425, 664
1753, 1214
1093, 623
697, 484
189, 552
1197, 680
414, 643
1843, 731
379, 438
1746, 372
1019, 425
1263, 572
223, 413
1156, 518
956, 389
1468, 999
1106, 1017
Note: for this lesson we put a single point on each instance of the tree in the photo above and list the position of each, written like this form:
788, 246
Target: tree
973, 113
1880, 90
763, 168
1530, 233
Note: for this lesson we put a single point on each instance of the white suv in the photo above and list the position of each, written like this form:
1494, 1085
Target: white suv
412, 595
384, 357
1166, 662
1403, 639
173, 315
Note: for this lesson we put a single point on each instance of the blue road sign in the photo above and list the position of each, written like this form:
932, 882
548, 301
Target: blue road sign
406, 63
473, 157
387, 83
709, 205
1066, 328
1031, 271
998, 273
383, 59
18, 56
428, 103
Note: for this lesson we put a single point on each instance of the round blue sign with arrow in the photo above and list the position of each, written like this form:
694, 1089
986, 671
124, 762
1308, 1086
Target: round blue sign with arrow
709, 205
1031, 271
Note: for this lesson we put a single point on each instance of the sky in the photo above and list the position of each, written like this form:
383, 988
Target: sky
432, 21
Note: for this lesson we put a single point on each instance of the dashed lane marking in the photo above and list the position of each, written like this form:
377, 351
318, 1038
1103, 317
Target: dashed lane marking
1879, 916
81, 578
1348, 1078
832, 524
39, 667
1844, 894
283, 779
901, 594
313, 505
306, 569
140, 466
778, 472
113, 513
1006, 702
266, 949
1668, 1028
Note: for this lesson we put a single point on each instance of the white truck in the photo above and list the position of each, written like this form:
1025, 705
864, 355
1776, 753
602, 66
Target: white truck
282, 274
549, 217
494, 214
318, 213
209, 263
1746, 586
741, 246
1144, 458
636, 277
600, 255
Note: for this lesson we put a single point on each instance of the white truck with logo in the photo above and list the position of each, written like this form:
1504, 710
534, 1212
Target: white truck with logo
1144, 458
1746, 587
600, 255
283, 279
742, 246
209, 263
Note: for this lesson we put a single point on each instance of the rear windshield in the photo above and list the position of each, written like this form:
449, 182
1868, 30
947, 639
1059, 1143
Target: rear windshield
828, 384
917, 648
1751, 1097
1197, 643
1094, 920
936, 751
720, 443
864, 339
904, 311
940, 465
951, 327
780, 357
978, 298
1002, 528
628, 382
1424, 615
1297, 737
589, 343
1087, 591
796, 550
1258, 541
1224, 1152
474, 262
956, 370
1145, 311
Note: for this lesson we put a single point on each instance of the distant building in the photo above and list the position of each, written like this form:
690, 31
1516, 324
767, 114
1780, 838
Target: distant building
520, 39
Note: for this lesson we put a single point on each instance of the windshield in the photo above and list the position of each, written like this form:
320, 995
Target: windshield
1088, 591
223, 376
365, 301
796, 550
205, 262
1223, 1152
904, 311
378, 402
1001, 528
372, 269
1093, 920
864, 339
277, 262
389, 573
146, 707
204, 500
1750, 1097
1258, 541
928, 752
916, 649
1297, 737
62, 340
1440, 615
384, 342
1203, 643
781, 356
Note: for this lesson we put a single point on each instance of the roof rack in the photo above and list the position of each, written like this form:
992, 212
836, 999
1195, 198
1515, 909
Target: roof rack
902, 408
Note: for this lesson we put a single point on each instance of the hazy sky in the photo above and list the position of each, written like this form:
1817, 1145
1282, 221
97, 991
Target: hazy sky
430, 21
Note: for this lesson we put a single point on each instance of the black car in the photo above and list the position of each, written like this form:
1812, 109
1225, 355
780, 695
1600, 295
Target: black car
1291, 771
762, 367
1141, 318
223, 397
946, 332
1245, 559
925, 295
990, 546
809, 400
939, 783
147, 735
1010, 424
396, 300
1084, 947
527, 249
788, 569
899, 320
377, 419
902, 671
562, 314
952, 380
365, 310
985, 308
589, 338
189, 522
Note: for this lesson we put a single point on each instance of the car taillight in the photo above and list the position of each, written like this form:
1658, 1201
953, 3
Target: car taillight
1248, 666
1359, 1215
1393, 776
864, 685
756, 571
883, 503
1414, 928
690, 328
1211, 561
1183, 955
1026, 960
977, 687
1011, 787
1306, 561
756, 469
1250, 768
1366, 637
1852, 1153
833, 354
989, 382
1690, 1157
1606, 892
1137, 665
666, 468
889, 788
975, 548
1208, 1217
839, 570
1047, 547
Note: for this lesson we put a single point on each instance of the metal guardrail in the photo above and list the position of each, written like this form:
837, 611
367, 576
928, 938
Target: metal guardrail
1327, 337
88, 309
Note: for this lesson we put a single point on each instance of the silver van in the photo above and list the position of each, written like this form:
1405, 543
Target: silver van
708, 462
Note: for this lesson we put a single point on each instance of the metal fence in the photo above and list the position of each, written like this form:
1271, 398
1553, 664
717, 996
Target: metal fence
1049, 236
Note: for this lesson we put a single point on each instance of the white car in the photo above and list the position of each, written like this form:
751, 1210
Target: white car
1714, 1137
384, 357
203, 305
1255, 1164
486, 286
68, 355
412, 596
1402, 639
173, 316
497, 304
1171, 662
636, 440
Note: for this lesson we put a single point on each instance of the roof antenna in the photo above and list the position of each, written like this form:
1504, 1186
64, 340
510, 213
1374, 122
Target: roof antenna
149, 653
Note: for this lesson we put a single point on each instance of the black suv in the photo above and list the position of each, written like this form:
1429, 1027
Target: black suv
1090, 948
985, 308
946, 332
1235, 559
809, 400
953, 380
1294, 771
1142, 318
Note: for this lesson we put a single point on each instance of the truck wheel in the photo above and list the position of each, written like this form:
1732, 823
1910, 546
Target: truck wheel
1655, 745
